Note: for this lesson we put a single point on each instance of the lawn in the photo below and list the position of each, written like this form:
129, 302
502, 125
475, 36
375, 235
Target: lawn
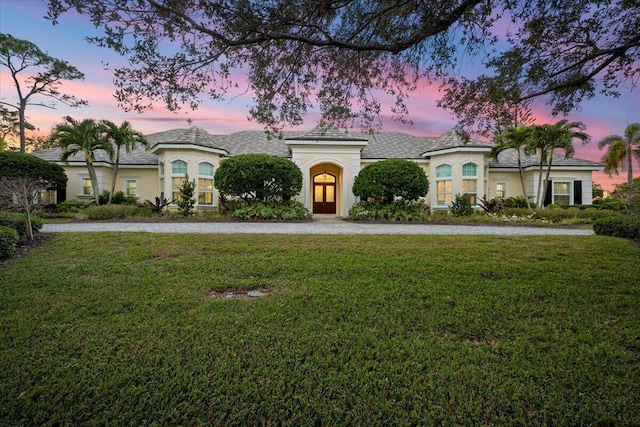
130, 329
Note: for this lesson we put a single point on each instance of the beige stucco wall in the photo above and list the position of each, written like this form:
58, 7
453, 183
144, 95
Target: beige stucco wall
193, 158
456, 161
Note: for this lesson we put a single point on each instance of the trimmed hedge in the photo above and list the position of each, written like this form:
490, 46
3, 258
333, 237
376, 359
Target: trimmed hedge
105, 212
16, 221
8, 241
288, 211
626, 227
396, 211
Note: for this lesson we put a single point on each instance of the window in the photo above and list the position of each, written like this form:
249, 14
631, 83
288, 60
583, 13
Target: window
561, 193
161, 168
178, 173
443, 185
205, 184
48, 197
86, 186
501, 190
131, 187
470, 181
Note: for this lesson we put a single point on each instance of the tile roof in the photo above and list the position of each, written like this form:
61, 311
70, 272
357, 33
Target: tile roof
380, 146
508, 159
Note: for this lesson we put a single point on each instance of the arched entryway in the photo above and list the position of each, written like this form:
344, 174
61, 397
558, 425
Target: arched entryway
324, 193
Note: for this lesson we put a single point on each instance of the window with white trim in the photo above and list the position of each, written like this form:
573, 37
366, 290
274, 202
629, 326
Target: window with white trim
131, 187
562, 193
87, 188
178, 174
443, 185
161, 171
48, 197
470, 181
205, 183
501, 190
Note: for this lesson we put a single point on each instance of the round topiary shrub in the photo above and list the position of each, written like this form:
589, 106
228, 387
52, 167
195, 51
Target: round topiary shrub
388, 180
8, 241
258, 177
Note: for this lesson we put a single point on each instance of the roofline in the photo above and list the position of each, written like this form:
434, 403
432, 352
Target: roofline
450, 150
169, 146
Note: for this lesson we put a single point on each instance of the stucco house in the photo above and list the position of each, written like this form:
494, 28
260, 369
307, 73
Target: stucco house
330, 160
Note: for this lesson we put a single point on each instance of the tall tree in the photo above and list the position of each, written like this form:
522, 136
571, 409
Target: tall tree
45, 77
10, 124
545, 139
123, 136
621, 150
87, 137
341, 56
515, 138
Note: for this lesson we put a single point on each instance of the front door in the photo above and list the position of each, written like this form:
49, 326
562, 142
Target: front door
324, 194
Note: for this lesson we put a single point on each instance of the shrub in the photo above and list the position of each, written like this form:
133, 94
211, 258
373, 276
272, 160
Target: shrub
391, 179
17, 222
118, 198
8, 241
627, 227
13, 164
106, 212
396, 211
186, 201
258, 177
158, 205
290, 211
461, 206
71, 206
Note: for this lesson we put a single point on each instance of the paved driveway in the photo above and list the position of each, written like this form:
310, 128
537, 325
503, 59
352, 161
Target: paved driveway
323, 226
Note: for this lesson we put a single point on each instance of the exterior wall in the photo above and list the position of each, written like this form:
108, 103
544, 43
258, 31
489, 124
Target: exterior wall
513, 186
456, 161
344, 162
193, 158
75, 175
146, 178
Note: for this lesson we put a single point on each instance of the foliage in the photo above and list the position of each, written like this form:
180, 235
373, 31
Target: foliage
86, 137
14, 164
627, 227
491, 205
545, 139
338, 56
514, 138
123, 136
186, 201
71, 206
461, 205
391, 179
258, 177
158, 205
597, 192
45, 77
23, 195
118, 198
17, 221
356, 330
621, 150
8, 241
288, 211
113, 211
10, 124
395, 211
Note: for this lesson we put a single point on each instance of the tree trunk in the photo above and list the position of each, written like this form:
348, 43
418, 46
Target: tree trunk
23, 137
540, 202
629, 172
546, 179
115, 175
93, 177
524, 185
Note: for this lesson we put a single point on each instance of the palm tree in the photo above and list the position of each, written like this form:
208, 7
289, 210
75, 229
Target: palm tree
621, 151
87, 137
514, 138
546, 139
122, 136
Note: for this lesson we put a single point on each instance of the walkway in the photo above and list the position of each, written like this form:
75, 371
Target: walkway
319, 226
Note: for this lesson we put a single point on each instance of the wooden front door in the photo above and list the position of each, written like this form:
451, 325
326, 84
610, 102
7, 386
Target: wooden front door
324, 194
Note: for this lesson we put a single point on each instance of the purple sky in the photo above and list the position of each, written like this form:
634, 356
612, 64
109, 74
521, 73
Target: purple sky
23, 19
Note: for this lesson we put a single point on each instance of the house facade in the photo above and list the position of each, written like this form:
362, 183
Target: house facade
329, 160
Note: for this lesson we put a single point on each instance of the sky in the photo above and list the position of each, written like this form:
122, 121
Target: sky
23, 19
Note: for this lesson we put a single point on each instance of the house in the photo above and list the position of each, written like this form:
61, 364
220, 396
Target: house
329, 160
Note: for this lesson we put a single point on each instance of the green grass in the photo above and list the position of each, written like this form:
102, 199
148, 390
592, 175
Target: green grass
121, 329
